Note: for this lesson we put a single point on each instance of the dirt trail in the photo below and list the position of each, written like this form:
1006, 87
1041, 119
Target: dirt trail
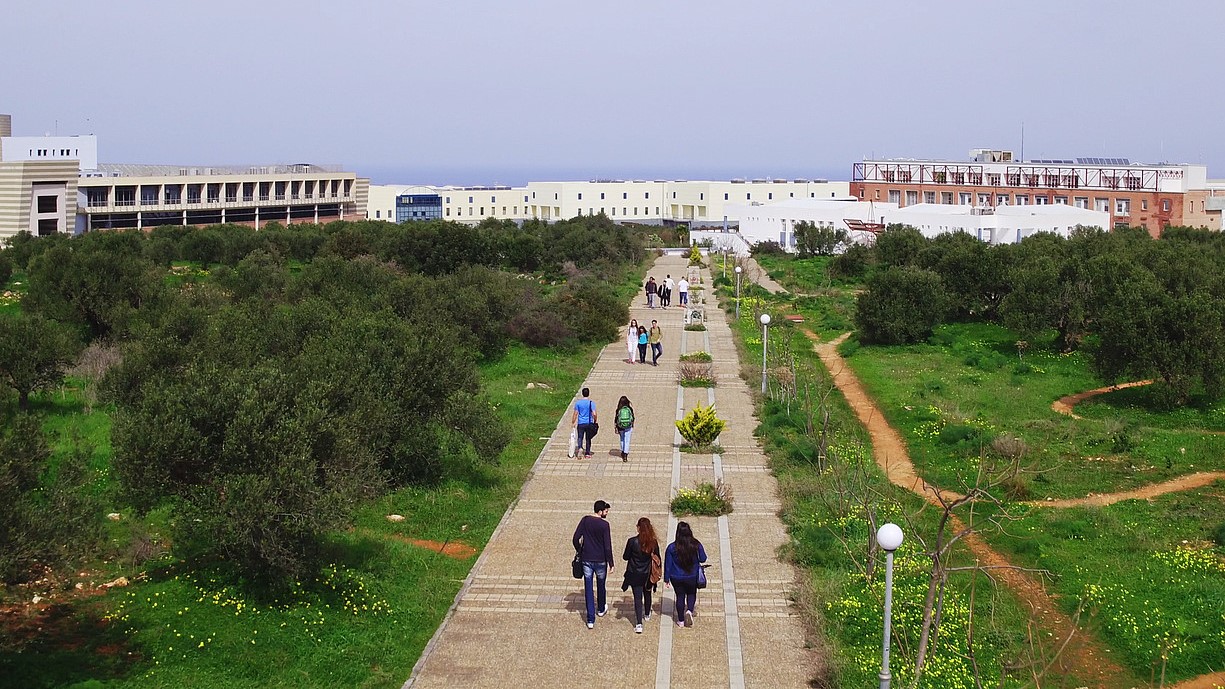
1064, 404
1084, 657
1197, 480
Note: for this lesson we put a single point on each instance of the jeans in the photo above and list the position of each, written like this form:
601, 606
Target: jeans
684, 298
686, 596
642, 601
642, 353
657, 350
651, 300
584, 430
625, 440
599, 570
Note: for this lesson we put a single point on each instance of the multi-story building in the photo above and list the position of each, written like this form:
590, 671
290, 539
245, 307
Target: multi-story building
52, 184
1149, 196
695, 203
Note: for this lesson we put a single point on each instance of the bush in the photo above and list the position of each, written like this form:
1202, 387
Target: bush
901, 306
696, 374
540, 326
701, 427
702, 357
1218, 535
695, 327
1009, 447
705, 499
695, 255
768, 248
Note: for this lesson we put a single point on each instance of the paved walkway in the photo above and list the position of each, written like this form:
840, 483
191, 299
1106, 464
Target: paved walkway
519, 619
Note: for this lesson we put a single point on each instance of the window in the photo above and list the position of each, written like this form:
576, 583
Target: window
48, 226
1040, 200
377, 215
912, 197
963, 198
1081, 202
746, 196
946, 197
674, 194
1061, 200
1022, 199
1122, 206
1013, 179
1143, 204
702, 196
725, 197
984, 199
770, 196
1165, 205
1101, 205
48, 204
895, 196
993, 179
580, 196
601, 196
1001, 199
469, 199
929, 197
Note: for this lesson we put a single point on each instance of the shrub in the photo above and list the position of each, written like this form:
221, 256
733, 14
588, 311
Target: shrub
849, 346
901, 306
705, 499
695, 327
701, 426
696, 374
768, 248
539, 327
703, 357
1218, 535
1009, 447
695, 255
852, 263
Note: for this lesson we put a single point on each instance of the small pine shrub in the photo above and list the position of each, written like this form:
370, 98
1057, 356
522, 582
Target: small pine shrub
701, 426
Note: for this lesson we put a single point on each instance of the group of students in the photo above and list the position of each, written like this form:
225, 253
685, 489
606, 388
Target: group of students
664, 291
680, 567
637, 337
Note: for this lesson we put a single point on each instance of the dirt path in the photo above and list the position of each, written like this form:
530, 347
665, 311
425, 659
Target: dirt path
1064, 404
1084, 657
1188, 482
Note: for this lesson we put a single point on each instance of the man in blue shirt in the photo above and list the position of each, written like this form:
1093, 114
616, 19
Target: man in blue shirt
585, 419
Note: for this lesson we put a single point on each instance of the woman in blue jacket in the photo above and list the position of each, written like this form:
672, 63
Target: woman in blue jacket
681, 565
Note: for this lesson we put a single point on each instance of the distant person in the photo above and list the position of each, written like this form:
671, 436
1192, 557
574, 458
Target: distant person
584, 420
624, 421
643, 338
593, 542
683, 288
651, 289
668, 284
631, 339
655, 338
681, 563
640, 550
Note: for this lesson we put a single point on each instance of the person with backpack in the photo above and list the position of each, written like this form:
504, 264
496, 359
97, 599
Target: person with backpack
682, 563
625, 425
643, 570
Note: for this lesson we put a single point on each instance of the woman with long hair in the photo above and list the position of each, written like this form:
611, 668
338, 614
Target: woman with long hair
642, 344
631, 339
624, 423
640, 549
681, 563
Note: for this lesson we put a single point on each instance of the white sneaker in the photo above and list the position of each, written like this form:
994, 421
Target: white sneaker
637, 629
646, 617
591, 625
680, 623
603, 612
688, 618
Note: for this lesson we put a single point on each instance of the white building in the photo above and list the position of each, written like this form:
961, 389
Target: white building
1000, 225
695, 203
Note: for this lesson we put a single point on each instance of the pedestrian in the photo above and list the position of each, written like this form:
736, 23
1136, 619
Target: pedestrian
593, 543
683, 288
631, 339
643, 338
668, 290
651, 288
624, 421
681, 563
640, 551
584, 420
655, 338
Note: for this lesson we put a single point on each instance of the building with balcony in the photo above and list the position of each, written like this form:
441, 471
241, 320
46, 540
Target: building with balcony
1132, 194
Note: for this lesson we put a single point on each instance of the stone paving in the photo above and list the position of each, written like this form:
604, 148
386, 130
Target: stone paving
519, 618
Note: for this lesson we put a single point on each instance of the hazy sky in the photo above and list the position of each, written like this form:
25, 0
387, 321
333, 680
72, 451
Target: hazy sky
453, 91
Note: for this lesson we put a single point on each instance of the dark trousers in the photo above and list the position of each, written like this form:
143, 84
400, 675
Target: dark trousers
642, 601
686, 596
642, 353
584, 431
657, 350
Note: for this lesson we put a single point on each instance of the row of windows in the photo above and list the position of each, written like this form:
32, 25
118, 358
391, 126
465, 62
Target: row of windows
44, 152
965, 198
1070, 180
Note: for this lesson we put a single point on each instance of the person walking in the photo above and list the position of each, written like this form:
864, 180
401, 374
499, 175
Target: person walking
651, 288
584, 420
640, 551
593, 542
655, 338
681, 562
643, 339
631, 339
683, 288
624, 421
667, 300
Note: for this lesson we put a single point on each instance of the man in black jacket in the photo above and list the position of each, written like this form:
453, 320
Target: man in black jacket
593, 542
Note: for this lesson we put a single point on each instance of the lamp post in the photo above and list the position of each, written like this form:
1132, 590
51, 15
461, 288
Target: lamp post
765, 327
889, 537
725, 261
737, 292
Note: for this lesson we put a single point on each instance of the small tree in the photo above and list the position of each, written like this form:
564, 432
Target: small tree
695, 255
701, 427
34, 353
902, 305
811, 240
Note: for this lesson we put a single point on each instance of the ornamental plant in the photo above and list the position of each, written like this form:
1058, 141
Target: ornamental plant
695, 255
701, 357
701, 427
705, 499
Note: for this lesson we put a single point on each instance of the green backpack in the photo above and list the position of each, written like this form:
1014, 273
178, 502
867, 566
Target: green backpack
625, 418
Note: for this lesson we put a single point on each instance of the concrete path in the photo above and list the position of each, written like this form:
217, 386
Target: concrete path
519, 619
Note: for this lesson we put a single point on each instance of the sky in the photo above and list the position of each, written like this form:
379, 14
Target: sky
462, 92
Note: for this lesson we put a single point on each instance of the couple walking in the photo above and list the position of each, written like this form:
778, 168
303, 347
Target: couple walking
680, 567
637, 337
585, 421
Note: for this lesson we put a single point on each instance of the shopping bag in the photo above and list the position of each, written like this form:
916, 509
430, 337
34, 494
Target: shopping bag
570, 448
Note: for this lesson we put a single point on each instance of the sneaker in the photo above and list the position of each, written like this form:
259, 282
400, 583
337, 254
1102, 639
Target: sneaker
646, 617
637, 629
680, 623
591, 625
688, 618
603, 612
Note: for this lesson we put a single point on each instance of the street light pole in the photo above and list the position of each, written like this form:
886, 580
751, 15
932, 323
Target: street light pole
737, 292
889, 537
765, 328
